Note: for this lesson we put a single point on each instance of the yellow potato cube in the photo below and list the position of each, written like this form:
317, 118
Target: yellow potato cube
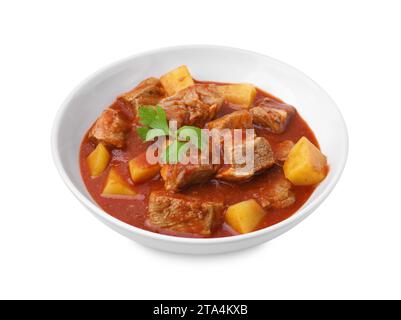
98, 160
305, 164
176, 80
141, 170
116, 186
245, 216
242, 94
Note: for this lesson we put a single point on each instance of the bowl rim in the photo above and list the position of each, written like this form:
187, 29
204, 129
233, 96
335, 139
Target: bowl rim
299, 215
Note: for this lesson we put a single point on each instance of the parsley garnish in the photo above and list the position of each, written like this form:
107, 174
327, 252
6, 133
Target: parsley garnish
154, 124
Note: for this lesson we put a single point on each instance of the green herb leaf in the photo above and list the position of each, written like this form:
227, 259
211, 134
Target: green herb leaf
142, 132
160, 120
153, 133
147, 115
154, 117
154, 121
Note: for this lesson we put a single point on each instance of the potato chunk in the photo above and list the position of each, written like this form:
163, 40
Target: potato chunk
245, 216
141, 170
305, 164
98, 160
176, 80
242, 94
116, 186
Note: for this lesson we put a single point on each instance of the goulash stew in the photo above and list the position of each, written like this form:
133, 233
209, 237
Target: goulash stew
193, 158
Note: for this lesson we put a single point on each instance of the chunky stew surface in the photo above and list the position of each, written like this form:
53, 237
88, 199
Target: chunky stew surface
201, 200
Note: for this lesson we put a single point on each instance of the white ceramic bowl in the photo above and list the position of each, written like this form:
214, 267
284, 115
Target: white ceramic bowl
85, 103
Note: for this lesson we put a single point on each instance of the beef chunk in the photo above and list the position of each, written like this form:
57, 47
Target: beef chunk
110, 128
277, 193
241, 119
148, 92
263, 159
195, 105
179, 176
282, 150
184, 214
272, 115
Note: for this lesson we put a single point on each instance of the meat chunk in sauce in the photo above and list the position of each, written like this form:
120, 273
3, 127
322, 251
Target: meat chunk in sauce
277, 193
282, 150
263, 158
148, 92
110, 128
241, 119
184, 214
272, 115
179, 176
195, 105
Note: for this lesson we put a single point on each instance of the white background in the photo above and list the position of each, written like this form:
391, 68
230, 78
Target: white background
52, 247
